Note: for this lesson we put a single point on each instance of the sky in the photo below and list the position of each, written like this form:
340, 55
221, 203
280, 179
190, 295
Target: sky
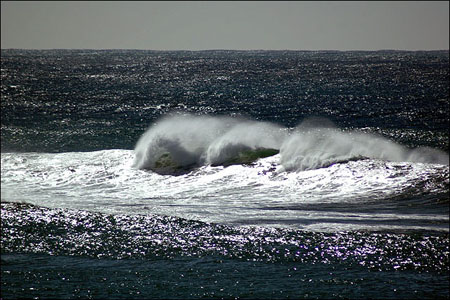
234, 25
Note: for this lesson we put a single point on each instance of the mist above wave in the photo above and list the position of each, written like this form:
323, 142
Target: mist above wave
184, 141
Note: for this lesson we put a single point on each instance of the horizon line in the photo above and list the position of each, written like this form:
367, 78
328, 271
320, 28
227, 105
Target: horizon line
219, 49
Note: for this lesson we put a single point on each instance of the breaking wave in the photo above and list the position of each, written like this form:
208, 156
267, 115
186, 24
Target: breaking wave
181, 142
177, 143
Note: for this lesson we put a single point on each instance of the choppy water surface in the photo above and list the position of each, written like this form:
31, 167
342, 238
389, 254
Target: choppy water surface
247, 174
151, 255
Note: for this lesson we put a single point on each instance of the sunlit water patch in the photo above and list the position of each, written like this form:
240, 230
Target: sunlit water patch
184, 251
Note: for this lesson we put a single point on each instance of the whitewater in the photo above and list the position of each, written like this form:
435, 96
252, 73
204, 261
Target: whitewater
319, 177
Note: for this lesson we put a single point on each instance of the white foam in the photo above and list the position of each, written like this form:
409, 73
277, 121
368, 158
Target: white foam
105, 181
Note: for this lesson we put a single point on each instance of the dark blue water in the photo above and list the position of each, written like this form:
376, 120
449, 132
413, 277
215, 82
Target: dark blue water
50, 99
69, 101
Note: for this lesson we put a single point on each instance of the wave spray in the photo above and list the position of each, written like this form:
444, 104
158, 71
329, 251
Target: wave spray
185, 141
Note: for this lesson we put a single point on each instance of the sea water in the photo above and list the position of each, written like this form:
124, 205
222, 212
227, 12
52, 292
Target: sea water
224, 174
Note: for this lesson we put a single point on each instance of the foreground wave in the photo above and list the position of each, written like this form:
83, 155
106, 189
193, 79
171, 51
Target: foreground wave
154, 256
178, 143
150, 236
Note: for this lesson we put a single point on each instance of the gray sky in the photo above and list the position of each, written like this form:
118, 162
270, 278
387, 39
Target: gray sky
186, 25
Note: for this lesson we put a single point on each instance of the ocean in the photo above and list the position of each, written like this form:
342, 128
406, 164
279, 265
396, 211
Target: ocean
224, 174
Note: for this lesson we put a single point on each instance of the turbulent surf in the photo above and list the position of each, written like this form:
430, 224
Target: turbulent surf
224, 174
179, 143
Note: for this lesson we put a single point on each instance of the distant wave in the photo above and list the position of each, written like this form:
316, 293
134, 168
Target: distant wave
180, 142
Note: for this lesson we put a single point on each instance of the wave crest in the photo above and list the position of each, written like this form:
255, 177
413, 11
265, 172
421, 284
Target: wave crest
179, 142
317, 148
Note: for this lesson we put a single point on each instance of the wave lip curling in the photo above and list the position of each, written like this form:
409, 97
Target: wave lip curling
176, 144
